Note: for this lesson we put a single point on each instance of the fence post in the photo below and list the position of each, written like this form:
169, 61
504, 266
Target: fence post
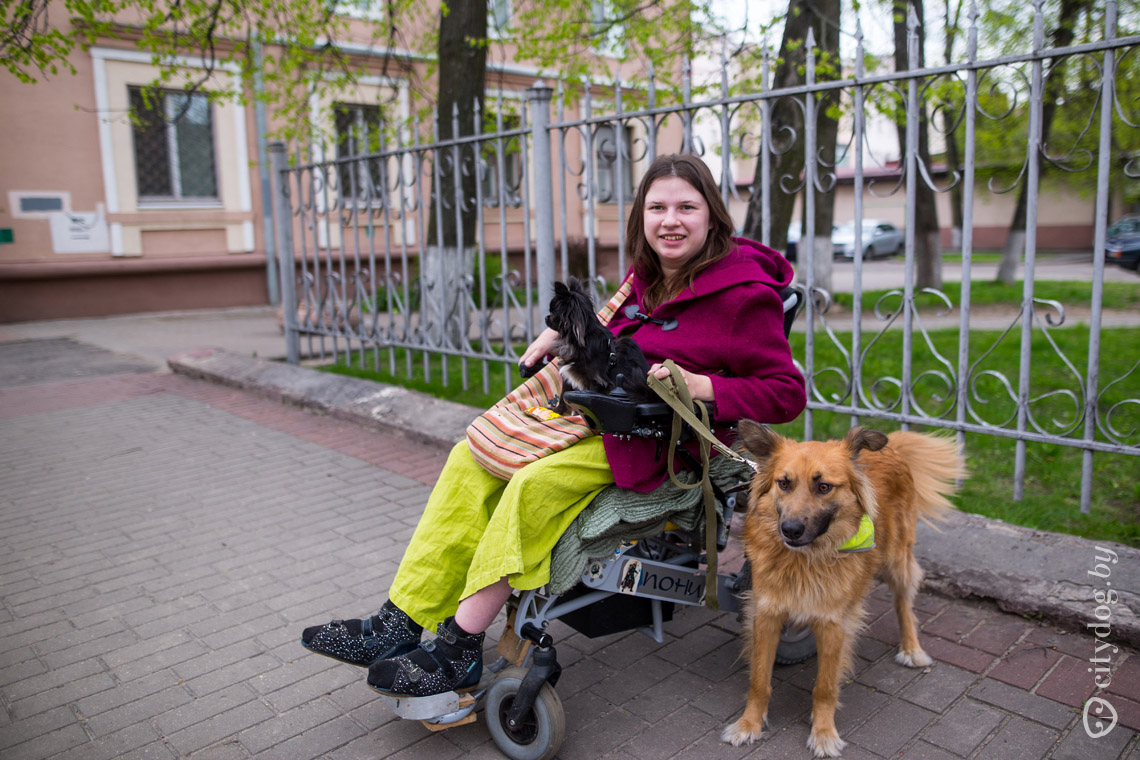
539, 96
284, 215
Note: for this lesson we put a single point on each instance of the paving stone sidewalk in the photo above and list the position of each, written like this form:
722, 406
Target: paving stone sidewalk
163, 540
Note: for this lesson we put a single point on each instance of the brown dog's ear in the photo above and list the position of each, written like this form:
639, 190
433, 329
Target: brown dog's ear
759, 440
859, 438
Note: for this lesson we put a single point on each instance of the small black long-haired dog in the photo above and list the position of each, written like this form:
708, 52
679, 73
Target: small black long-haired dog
590, 357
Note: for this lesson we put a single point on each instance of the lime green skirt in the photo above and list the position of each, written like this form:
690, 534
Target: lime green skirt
477, 528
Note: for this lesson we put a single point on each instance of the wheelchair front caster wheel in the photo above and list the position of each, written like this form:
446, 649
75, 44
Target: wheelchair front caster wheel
539, 735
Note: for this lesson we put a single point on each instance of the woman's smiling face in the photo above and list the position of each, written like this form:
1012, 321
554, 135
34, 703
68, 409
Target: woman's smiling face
677, 222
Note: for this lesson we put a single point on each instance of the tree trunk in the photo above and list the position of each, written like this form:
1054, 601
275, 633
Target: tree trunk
827, 34
953, 158
449, 258
927, 245
1054, 88
822, 16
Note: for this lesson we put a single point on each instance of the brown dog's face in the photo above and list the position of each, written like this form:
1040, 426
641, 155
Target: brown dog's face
813, 491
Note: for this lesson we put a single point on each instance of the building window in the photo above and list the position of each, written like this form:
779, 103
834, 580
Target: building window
606, 151
369, 10
357, 133
606, 31
498, 18
174, 146
512, 164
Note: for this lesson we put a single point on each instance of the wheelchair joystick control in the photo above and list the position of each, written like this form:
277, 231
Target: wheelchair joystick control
619, 391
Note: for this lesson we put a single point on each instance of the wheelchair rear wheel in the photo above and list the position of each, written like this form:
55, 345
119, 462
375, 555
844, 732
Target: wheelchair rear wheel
541, 733
796, 645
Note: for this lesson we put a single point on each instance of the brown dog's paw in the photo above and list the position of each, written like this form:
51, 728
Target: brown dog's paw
913, 658
825, 744
741, 732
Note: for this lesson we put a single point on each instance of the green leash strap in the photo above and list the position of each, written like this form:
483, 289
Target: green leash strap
682, 403
676, 394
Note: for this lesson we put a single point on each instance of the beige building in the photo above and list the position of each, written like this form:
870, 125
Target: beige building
101, 215
109, 217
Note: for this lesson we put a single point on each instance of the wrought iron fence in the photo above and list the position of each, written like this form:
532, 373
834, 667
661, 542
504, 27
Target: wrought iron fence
360, 269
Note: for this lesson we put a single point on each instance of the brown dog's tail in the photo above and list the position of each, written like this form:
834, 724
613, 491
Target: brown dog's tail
935, 464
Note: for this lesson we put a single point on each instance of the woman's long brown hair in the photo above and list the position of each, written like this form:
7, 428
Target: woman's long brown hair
645, 260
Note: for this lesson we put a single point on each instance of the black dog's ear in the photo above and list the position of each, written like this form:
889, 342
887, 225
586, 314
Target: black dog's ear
859, 438
759, 440
560, 288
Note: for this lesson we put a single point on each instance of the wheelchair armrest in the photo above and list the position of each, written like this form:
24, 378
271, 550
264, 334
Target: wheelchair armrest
616, 413
794, 298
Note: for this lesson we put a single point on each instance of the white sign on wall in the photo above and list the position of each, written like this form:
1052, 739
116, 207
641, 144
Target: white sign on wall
80, 232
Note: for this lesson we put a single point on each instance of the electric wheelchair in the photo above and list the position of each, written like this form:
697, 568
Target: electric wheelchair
637, 587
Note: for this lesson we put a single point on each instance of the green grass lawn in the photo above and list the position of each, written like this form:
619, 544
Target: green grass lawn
1122, 296
377, 365
977, 257
1052, 488
1052, 494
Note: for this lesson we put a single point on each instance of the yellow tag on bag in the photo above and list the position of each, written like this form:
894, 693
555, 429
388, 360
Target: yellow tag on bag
542, 413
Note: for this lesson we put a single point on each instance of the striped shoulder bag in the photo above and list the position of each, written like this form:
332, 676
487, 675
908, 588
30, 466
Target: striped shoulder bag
522, 427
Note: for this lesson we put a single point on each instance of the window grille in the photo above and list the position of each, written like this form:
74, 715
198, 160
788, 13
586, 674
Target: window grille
512, 164
358, 132
606, 148
174, 145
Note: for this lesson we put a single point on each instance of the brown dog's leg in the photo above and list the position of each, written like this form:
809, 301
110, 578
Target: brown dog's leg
765, 638
833, 644
903, 578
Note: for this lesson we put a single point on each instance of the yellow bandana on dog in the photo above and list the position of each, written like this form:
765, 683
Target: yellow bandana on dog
864, 538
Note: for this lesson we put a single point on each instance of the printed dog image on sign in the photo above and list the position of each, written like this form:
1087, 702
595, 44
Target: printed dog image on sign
630, 577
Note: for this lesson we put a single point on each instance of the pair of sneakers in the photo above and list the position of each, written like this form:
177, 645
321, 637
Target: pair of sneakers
399, 664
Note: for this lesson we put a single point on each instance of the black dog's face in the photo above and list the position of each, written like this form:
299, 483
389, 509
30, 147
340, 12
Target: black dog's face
592, 359
571, 311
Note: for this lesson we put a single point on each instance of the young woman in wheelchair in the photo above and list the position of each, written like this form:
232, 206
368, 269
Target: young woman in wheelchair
704, 299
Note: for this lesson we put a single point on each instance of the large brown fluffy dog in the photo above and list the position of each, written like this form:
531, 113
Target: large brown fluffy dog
807, 500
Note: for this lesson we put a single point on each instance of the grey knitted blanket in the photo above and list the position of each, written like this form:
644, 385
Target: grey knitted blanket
618, 515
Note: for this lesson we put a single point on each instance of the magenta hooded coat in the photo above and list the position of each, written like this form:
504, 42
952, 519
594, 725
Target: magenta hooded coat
730, 326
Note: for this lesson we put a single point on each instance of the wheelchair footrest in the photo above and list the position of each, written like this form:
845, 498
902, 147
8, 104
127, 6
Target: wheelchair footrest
440, 710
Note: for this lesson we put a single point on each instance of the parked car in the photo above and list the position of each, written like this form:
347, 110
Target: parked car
1122, 243
879, 239
793, 244
791, 250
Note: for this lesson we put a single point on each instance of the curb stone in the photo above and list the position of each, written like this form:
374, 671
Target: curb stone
411, 414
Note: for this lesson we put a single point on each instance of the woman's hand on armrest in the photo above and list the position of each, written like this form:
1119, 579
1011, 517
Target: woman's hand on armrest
542, 346
700, 386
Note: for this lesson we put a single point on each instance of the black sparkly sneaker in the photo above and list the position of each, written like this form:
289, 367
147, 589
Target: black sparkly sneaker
388, 633
453, 661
